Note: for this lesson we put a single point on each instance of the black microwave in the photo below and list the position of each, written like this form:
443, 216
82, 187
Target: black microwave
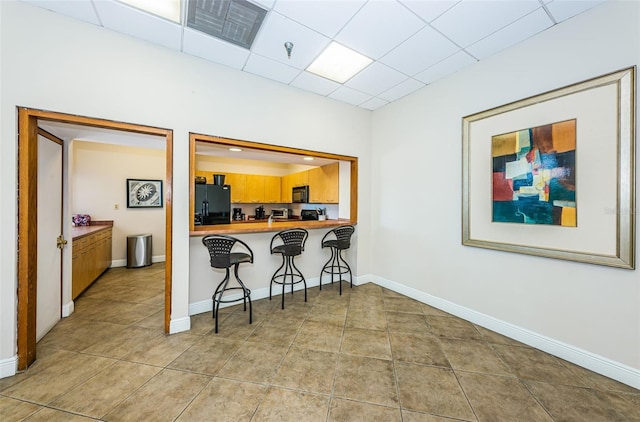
300, 194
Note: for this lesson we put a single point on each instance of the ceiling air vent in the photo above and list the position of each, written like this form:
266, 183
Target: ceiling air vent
236, 21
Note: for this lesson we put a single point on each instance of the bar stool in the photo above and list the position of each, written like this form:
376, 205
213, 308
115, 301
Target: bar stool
339, 240
220, 255
289, 243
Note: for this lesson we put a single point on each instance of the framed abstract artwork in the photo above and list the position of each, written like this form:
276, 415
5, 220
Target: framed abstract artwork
553, 175
142, 193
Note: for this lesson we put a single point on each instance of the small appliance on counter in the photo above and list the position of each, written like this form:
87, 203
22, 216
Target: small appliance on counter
309, 214
280, 213
200, 180
260, 213
237, 214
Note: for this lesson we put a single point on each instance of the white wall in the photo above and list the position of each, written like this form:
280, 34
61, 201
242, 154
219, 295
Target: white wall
98, 183
417, 154
93, 72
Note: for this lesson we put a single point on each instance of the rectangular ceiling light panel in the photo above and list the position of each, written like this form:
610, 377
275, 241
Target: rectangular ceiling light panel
169, 9
338, 63
236, 21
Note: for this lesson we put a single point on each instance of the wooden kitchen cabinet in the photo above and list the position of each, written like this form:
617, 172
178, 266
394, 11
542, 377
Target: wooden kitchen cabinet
272, 187
254, 189
90, 257
285, 190
238, 183
324, 184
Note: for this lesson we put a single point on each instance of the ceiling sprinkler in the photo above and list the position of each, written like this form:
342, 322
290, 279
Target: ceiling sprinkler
289, 46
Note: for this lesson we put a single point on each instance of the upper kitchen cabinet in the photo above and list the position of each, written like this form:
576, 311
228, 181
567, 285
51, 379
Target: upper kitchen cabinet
272, 189
324, 184
238, 183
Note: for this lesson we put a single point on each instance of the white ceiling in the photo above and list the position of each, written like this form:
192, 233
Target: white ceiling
412, 42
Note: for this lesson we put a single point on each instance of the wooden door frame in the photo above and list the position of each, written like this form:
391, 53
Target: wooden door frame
27, 216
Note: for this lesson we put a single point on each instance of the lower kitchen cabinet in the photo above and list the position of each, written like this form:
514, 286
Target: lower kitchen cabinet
90, 257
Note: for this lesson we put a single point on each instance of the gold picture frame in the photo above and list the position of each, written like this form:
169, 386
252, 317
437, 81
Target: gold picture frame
604, 108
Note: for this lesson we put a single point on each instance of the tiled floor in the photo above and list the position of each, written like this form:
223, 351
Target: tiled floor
368, 355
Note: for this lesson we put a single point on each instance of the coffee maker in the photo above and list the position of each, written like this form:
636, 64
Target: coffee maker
237, 214
260, 213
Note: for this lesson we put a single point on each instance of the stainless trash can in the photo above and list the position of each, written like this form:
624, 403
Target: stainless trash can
138, 250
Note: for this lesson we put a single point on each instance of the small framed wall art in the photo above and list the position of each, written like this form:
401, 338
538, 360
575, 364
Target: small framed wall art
553, 175
143, 193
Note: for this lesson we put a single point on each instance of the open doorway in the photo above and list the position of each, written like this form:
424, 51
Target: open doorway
28, 120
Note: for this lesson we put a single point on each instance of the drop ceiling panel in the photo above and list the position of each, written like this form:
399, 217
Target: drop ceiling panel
77, 10
563, 9
326, 17
374, 104
422, 50
429, 10
520, 30
131, 21
310, 82
401, 90
349, 95
276, 30
271, 69
213, 49
446, 67
469, 21
375, 79
378, 27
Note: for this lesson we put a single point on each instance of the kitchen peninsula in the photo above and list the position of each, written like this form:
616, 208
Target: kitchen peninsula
264, 226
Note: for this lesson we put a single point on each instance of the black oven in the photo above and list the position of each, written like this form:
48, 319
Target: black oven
300, 194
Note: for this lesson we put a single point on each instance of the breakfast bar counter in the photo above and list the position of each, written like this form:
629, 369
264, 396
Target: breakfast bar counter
264, 226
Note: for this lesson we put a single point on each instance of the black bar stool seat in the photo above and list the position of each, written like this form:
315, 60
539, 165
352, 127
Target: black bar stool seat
289, 243
338, 240
220, 256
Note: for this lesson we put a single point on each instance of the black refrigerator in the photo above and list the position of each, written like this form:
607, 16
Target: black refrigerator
212, 204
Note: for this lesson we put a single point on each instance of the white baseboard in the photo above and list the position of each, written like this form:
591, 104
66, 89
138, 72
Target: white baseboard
179, 325
67, 309
591, 361
8, 367
123, 262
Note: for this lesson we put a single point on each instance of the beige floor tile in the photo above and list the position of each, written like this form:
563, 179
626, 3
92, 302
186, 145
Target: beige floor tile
410, 416
600, 382
16, 410
401, 304
576, 404
430, 310
403, 322
495, 338
155, 321
163, 398
496, 398
161, 350
432, 390
390, 293
235, 326
532, 364
52, 415
453, 327
77, 334
225, 400
367, 318
626, 405
352, 411
372, 343
308, 370
295, 406
277, 330
206, 356
328, 314
473, 356
108, 388
319, 336
61, 374
257, 362
121, 343
366, 379
417, 348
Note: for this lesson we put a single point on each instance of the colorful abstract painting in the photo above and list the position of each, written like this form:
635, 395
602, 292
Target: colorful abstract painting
534, 175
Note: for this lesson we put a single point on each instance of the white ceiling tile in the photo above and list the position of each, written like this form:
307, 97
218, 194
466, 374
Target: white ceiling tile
510, 35
266, 4
349, 95
77, 10
401, 90
276, 30
422, 50
429, 10
471, 20
375, 78
378, 27
374, 104
216, 50
564, 9
447, 66
271, 69
326, 17
128, 20
314, 83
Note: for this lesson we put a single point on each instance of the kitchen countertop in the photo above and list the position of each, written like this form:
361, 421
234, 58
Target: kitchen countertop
262, 226
78, 232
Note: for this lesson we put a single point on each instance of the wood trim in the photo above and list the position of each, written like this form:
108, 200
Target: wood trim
27, 238
195, 137
27, 216
50, 136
